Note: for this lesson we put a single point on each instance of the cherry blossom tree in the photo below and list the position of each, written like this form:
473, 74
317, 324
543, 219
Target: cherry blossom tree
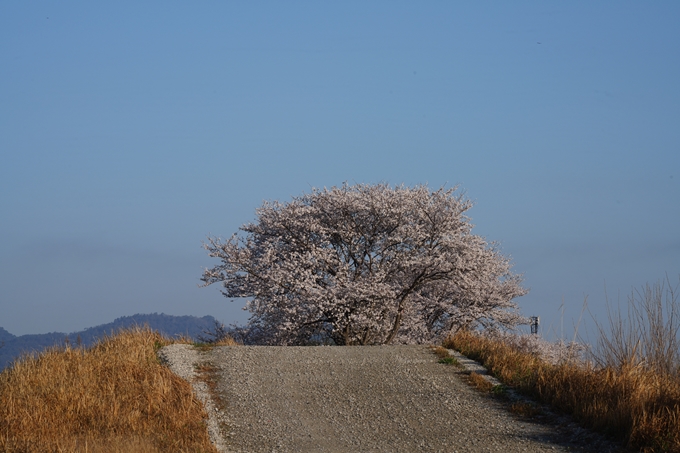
365, 264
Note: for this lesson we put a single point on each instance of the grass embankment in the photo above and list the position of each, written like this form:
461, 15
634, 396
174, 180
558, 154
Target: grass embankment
112, 397
632, 402
628, 386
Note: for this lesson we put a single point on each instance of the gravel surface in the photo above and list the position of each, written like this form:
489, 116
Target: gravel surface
365, 399
182, 360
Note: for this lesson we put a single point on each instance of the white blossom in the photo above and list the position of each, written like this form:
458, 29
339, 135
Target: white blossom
365, 264
555, 352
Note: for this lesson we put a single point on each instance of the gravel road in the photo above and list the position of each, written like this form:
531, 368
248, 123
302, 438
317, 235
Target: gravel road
363, 399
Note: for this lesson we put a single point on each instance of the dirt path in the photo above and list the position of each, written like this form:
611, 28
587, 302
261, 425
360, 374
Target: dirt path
361, 399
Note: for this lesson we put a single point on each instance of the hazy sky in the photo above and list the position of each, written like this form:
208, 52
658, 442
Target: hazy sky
131, 130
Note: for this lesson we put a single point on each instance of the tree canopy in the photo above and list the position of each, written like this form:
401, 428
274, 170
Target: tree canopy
365, 264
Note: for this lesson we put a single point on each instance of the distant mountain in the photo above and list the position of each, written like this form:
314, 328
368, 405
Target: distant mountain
5, 336
27, 343
172, 326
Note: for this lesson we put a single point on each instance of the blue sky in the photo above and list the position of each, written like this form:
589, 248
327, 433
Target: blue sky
129, 131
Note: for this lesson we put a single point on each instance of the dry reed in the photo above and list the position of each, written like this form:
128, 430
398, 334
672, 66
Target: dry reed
113, 397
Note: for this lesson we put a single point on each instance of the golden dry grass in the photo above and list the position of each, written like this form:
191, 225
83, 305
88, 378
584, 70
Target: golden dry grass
525, 409
226, 341
634, 404
113, 397
441, 352
480, 382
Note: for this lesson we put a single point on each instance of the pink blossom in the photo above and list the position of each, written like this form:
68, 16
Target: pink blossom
366, 264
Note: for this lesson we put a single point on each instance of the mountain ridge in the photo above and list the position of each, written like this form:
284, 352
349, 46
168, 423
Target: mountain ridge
5, 336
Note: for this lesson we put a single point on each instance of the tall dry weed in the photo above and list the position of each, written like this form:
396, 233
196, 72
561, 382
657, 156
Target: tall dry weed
646, 333
112, 397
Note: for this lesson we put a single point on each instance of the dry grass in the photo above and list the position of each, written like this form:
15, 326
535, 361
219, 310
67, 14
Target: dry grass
113, 397
480, 382
629, 389
635, 405
225, 341
441, 352
526, 409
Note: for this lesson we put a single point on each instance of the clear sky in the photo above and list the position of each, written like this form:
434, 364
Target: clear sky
131, 130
